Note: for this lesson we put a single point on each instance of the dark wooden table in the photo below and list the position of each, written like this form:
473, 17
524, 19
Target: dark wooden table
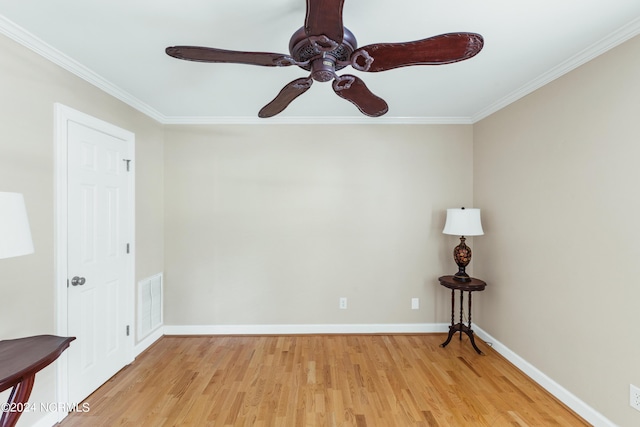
20, 360
469, 287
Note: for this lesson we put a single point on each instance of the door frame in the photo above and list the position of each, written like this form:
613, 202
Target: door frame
62, 116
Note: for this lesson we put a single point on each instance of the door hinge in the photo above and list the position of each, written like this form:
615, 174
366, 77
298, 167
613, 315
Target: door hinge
128, 162
127, 330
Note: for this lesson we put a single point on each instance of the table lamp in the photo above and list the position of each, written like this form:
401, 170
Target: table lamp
463, 222
15, 235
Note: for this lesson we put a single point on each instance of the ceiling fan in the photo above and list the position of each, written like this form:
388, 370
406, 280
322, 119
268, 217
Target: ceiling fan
324, 45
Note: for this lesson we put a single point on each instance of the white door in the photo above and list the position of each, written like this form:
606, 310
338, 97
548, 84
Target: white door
99, 291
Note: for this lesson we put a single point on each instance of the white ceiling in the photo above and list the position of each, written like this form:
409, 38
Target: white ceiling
119, 45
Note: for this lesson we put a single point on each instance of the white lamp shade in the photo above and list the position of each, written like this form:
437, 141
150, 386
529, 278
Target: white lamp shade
463, 222
15, 235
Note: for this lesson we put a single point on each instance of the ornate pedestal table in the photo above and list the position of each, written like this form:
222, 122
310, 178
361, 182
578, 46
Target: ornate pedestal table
472, 285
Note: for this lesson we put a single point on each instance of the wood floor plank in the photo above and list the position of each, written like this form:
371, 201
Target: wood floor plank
321, 380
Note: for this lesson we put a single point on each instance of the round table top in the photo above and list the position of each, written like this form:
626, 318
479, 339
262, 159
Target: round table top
471, 286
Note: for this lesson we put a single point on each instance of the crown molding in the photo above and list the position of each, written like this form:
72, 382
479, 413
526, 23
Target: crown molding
614, 39
28, 40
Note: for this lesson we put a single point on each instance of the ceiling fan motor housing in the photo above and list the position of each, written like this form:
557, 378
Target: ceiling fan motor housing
322, 62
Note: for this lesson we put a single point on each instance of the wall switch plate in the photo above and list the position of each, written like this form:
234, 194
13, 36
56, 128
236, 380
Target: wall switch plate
634, 397
415, 303
343, 303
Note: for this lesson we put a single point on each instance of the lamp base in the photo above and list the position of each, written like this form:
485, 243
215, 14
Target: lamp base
462, 257
461, 277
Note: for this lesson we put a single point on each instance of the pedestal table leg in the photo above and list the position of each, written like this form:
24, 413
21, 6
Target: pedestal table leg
17, 400
470, 331
452, 328
461, 312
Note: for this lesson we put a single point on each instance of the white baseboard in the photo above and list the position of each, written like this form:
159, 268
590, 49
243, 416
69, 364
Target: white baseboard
305, 329
148, 340
565, 396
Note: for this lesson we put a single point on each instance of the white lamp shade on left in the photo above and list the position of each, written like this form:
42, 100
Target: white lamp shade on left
15, 234
463, 222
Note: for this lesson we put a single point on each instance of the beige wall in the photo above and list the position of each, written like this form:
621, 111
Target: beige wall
30, 86
271, 225
557, 177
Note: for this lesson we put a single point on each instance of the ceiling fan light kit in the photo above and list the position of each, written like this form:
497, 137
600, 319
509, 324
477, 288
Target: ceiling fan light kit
323, 46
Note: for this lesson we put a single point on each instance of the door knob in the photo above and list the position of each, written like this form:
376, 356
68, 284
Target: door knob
78, 281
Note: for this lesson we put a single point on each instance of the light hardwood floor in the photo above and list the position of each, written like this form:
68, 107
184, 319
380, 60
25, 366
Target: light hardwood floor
321, 380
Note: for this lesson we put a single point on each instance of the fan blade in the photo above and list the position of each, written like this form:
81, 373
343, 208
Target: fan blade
209, 54
354, 90
437, 50
323, 23
288, 93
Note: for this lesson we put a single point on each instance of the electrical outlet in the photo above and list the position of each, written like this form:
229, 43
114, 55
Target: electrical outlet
634, 397
415, 303
343, 303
